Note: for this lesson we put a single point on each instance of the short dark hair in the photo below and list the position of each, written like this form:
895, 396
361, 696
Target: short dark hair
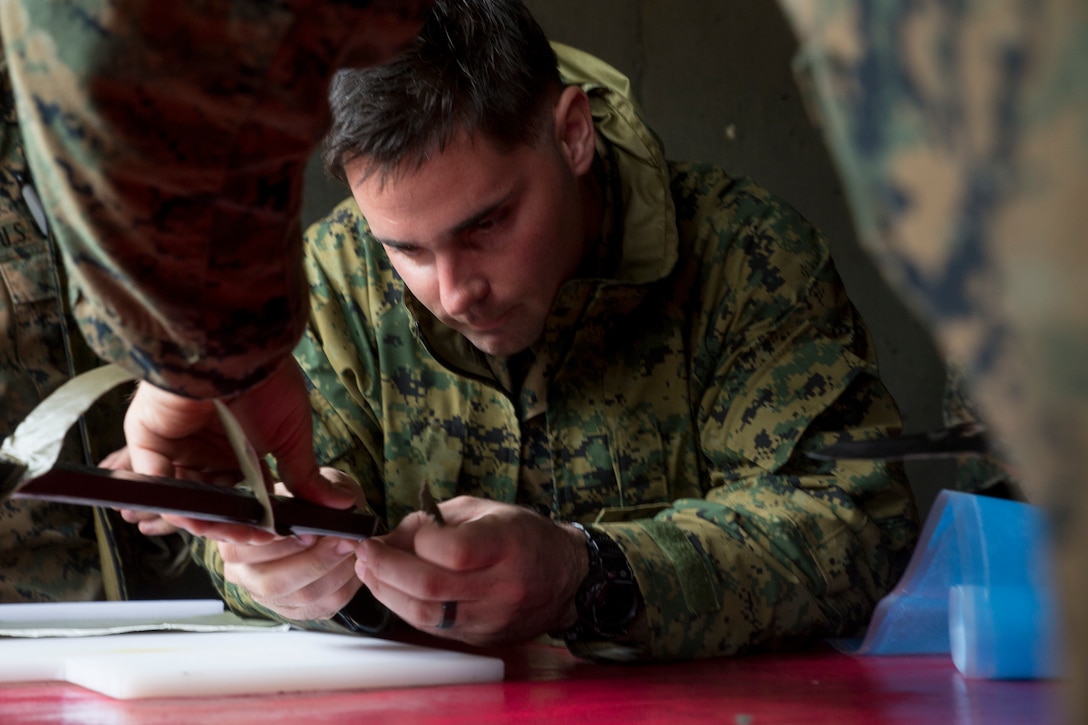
480, 66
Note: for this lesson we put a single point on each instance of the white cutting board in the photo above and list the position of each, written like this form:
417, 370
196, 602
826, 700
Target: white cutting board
184, 664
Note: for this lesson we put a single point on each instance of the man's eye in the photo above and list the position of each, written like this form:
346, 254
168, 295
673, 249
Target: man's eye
404, 251
495, 219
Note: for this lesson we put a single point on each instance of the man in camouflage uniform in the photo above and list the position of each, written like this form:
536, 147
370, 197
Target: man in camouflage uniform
49, 551
961, 133
529, 309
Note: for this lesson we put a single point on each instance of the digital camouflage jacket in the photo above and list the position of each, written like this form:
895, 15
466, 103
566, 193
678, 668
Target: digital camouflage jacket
671, 401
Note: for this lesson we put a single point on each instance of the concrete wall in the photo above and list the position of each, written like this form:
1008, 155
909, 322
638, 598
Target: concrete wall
714, 79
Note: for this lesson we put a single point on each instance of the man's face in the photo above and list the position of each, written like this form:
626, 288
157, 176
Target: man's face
483, 239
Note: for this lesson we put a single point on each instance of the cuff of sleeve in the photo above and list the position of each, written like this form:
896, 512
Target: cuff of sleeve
676, 582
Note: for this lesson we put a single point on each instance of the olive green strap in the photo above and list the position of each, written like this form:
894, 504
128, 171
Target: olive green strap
697, 580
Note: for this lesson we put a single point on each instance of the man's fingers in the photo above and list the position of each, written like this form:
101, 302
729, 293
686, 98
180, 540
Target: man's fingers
156, 527
304, 607
412, 575
475, 536
234, 533
404, 535
119, 460
274, 550
295, 579
345, 487
427, 607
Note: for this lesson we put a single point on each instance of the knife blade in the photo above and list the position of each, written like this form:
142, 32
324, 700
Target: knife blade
429, 505
84, 485
957, 440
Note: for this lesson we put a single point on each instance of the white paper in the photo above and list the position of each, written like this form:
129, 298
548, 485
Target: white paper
83, 619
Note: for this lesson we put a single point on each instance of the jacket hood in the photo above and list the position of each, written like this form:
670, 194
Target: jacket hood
649, 218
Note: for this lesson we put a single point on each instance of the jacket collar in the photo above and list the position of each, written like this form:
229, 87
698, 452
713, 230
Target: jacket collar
648, 216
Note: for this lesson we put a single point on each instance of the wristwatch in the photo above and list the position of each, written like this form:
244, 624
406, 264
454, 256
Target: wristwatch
608, 599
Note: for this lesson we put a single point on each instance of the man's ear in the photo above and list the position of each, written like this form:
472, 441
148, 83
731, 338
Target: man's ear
574, 131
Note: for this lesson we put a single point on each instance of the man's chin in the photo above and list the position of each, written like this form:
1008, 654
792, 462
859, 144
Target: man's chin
489, 345
495, 345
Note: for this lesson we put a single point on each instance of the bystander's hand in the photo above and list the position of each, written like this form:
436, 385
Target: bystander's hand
149, 523
170, 435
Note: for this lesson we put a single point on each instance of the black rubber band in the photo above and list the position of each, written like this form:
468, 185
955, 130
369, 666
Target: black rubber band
449, 615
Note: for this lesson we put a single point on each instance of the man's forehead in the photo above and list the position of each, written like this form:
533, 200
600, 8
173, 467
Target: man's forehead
416, 207
470, 148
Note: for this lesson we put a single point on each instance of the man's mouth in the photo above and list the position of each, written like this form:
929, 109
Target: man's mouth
480, 325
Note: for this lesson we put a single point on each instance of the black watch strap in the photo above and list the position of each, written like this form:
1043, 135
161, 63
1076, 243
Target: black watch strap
608, 600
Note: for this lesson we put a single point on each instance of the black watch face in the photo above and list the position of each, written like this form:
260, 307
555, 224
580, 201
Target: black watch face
609, 598
616, 608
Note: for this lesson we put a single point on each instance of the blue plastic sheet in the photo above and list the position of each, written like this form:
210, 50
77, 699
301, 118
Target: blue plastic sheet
978, 588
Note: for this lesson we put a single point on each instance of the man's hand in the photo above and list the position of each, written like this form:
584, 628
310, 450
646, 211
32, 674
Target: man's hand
169, 435
512, 572
298, 577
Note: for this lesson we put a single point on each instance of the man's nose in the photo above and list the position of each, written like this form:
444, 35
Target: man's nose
461, 285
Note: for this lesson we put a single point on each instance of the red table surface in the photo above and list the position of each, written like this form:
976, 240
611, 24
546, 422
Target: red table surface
546, 684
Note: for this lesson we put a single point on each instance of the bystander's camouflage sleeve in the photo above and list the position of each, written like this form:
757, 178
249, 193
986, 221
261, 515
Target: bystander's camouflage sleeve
168, 141
961, 133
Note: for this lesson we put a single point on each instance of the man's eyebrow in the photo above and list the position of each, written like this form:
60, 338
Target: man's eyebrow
479, 216
457, 229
